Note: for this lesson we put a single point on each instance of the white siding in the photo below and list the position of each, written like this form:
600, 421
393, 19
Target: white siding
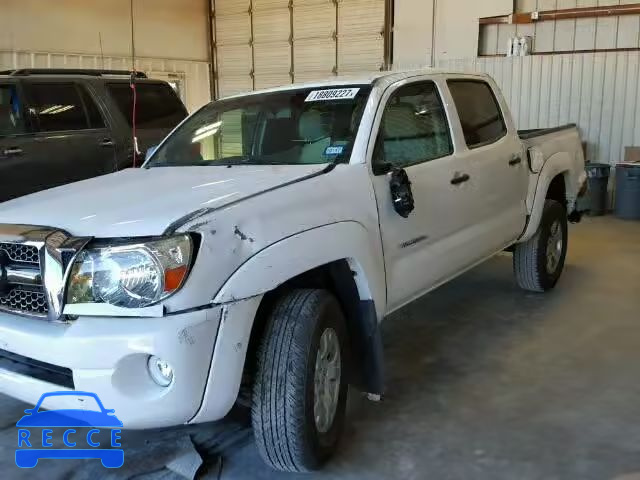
170, 38
622, 32
170, 29
597, 91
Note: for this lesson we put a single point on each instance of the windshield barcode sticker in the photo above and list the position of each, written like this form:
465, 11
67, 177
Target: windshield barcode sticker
333, 94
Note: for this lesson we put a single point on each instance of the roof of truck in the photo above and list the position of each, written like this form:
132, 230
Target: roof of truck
390, 76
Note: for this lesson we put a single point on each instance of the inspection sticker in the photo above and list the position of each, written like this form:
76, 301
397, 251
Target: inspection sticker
334, 150
333, 94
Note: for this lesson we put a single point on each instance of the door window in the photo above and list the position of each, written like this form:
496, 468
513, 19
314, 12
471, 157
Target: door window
11, 119
479, 112
414, 127
93, 113
56, 106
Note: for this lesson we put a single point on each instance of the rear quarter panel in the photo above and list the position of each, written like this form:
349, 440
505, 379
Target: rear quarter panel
556, 153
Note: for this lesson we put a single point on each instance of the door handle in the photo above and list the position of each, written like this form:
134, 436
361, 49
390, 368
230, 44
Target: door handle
106, 142
458, 179
12, 151
515, 161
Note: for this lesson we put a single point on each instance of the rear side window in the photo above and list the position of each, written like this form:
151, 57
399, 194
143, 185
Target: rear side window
157, 105
11, 120
479, 112
57, 106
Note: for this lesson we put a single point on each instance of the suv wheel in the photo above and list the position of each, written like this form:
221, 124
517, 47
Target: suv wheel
300, 390
538, 262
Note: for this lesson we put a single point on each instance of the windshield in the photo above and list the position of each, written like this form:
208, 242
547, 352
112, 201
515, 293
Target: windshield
296, 127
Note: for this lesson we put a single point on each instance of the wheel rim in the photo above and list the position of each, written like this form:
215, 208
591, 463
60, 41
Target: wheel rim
555, 243
326, 380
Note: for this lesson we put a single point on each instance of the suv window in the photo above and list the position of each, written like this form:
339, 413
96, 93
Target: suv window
479, 112
11, 119
57, 106
93, 113
157, 105
414, 127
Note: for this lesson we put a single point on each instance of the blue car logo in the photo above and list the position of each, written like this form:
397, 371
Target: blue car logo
28, 452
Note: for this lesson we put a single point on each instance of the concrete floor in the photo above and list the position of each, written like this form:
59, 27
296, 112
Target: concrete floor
484, 382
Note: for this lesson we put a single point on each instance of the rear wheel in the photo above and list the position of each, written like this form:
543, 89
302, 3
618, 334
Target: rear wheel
538, 262
300, 390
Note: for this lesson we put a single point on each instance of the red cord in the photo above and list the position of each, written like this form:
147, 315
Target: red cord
133, 119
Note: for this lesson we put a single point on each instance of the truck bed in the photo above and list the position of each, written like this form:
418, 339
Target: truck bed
562, 143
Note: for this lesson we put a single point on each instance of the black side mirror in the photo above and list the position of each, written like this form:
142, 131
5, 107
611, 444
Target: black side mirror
401, 194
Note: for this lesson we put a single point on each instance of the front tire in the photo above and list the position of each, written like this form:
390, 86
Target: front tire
300, 390
538, 262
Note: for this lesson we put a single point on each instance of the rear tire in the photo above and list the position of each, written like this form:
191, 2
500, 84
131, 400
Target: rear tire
538, 262
293, 385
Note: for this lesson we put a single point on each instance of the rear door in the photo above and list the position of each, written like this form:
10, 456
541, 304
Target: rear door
158, 110
72, 141
497, 163
424, 248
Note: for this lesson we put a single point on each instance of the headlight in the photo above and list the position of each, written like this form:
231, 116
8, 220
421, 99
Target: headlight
133, 275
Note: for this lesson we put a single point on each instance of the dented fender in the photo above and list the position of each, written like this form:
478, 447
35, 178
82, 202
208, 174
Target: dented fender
306, 250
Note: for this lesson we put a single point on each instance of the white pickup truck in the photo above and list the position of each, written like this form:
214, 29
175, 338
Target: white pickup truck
263, 242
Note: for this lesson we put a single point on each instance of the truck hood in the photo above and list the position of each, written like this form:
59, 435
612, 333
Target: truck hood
140, 202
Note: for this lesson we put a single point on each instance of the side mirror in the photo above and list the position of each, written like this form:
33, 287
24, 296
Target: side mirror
381, 168
401, 194
150, 151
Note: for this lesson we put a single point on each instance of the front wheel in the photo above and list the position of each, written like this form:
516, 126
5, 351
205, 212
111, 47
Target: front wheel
300, 389
538, 262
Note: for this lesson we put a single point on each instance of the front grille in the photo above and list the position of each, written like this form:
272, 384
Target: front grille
21, 253
25, 301
22, 299
36, 369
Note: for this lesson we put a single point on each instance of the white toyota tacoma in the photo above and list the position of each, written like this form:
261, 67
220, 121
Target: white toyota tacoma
262, 243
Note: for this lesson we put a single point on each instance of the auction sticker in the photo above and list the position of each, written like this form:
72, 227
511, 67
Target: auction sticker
332, 94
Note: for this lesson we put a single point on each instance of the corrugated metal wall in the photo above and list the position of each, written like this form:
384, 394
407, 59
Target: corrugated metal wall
565, 35
192, 76
597, 91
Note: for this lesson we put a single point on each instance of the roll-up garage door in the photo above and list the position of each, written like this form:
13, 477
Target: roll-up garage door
233, 57
271, 43
265, 43
361, 36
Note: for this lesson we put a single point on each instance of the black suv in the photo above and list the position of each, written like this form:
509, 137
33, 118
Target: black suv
61, 126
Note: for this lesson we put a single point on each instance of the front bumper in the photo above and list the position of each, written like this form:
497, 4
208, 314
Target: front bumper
109, 356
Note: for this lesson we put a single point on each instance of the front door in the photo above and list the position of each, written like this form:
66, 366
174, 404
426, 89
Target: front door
427, 246
71, 138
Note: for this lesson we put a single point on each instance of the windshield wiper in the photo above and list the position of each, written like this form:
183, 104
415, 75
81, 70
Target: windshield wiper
236, 160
